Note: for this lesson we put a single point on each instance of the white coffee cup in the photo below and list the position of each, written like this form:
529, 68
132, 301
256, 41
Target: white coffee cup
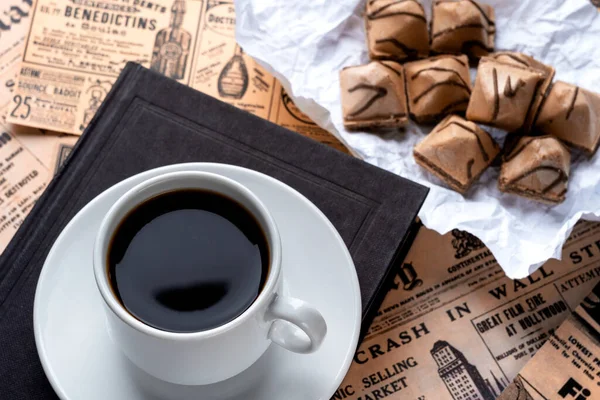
210, 356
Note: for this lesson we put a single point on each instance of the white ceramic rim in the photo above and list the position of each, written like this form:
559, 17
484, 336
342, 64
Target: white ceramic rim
131, 199
38, 304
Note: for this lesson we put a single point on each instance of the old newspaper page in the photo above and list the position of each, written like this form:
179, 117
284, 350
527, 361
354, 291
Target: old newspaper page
23, 177
15, 16
76, 49
568, 365
455, 328
42, 150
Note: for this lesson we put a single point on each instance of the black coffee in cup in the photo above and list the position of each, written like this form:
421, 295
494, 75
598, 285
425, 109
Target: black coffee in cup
188, 261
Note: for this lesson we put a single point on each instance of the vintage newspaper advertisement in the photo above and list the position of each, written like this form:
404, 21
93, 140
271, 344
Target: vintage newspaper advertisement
22, 176
14, 23
15, 16
224, 71
455, 328
568, 365
75, 50
23, 179
41, 143
40, 149
50, 148
285, 113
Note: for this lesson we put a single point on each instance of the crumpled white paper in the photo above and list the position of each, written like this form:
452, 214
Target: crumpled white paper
307, 43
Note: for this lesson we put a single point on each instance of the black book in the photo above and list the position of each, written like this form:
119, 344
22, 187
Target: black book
148, 121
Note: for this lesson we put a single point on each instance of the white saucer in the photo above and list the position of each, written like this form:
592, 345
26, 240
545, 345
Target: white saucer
83, 364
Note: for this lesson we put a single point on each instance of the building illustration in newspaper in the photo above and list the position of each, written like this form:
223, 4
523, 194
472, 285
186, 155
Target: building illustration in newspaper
172, 45
465, 330
463, 380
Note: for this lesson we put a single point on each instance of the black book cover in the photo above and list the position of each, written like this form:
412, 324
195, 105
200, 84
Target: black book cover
148, 121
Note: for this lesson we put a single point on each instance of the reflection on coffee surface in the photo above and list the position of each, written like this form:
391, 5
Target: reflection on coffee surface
188, 261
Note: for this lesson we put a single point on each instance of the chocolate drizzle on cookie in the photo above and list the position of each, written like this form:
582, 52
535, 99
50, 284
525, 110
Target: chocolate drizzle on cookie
542, 156
373, 96
506, 94
464, 64
496, 95
470, 167
484, 154
410, 52
371, 2
456, 151
509, 91
514, 58
440, 69
483, 13
448, 82
391, 68
515, 152
571, 114
379, 93
529, 64
561, 178
437, 86
455, 28
572, 105
378, 14
470, 44
396, 30
450, 107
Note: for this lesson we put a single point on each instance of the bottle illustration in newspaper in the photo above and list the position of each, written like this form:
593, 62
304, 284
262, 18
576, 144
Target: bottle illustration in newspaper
462, 379
172, 45
233, 80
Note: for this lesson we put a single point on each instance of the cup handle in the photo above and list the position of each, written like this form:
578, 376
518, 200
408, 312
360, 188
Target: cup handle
306, 328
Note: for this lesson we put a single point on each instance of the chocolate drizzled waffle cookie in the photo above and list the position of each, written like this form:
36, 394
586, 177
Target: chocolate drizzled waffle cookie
437, 86
456, 151
462, 27
536, 168
373, 96
524, 61
396, 30
572, 114
503, 94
